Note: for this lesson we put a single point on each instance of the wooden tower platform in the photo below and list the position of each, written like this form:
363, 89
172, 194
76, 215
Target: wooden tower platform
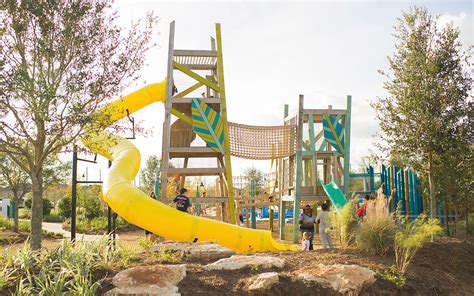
178, 134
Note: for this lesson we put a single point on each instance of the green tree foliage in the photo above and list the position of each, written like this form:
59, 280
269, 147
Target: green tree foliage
47, 205
59, 62
150, 173
252, 173
425, 116
64, 207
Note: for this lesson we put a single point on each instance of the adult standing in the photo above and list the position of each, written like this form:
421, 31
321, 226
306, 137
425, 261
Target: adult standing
306, 221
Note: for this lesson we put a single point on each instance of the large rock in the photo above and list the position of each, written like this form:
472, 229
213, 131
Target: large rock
242, 261
148, 280
264, 281
205, 250
345, 279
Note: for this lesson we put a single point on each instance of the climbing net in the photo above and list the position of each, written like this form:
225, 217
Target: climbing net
262, 142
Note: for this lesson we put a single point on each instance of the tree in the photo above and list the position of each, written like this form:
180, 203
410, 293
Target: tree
60, 61
252, 173
17, 180
428, 100
150, 173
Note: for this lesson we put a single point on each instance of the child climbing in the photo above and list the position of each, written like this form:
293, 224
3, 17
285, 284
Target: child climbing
306, 241
325, 227
306, 221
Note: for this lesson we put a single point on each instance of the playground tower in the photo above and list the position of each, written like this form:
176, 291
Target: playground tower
322, 155
178, 135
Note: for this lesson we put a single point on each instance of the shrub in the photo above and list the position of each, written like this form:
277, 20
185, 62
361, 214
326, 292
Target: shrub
53, 217
167, 256
412, 237
47, 205
344, 222
24, 214
145, 243
392, 275
376, 232
64, 207
23, 226
94, 226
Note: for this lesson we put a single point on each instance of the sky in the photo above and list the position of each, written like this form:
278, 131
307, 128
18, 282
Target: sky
274, 51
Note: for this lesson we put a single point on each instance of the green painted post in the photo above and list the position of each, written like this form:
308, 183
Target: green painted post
282, 205
347, 144
252, 194
299, 173
306, 172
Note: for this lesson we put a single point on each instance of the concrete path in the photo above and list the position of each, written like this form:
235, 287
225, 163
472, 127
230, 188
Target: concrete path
57, 228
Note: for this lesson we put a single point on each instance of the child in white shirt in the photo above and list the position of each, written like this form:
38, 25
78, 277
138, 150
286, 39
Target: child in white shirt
325, 227
306, 241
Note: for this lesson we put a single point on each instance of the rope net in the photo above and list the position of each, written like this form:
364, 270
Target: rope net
262, 142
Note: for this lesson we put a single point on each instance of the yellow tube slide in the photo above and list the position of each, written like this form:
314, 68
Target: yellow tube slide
138, 208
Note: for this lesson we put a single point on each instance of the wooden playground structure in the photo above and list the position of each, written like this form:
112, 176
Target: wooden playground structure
309, 146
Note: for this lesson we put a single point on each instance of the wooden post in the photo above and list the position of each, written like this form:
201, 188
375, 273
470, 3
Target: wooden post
282, 205
392, 187
270, 217
225, 125
167, 122
347, 145
299, 134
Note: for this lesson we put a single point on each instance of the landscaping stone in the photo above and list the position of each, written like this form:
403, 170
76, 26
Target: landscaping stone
205, 250
345, 279
148, 280
264, 281
242, 261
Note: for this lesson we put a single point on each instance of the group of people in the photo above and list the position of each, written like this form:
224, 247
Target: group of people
307, 221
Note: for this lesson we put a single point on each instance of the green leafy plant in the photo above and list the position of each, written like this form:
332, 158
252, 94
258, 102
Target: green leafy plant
392, 275
47, 205
64, 207
53, 217
23, 226
146, 243
376, 232
167, 256
67, 269
412, 237
343, 222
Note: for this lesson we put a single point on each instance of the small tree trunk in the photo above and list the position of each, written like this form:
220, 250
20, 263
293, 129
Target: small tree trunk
15, 213
36, 210
431, 183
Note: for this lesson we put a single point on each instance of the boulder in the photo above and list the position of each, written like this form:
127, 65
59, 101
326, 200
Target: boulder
264, 281
204, 250
148, 280
242, 261
345, 279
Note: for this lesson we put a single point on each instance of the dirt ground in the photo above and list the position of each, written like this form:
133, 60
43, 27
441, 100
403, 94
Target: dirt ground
445, 267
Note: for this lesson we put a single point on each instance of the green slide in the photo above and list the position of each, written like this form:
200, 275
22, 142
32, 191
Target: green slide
335, 194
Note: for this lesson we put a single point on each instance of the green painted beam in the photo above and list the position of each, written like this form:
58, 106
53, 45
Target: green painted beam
347, 144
